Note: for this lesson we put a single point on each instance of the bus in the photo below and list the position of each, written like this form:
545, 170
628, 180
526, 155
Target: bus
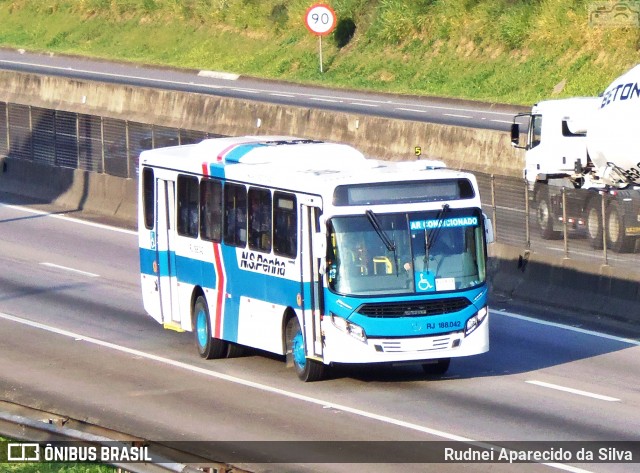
310, 250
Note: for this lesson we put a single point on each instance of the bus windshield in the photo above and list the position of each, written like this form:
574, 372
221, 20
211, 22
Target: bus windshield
406, 253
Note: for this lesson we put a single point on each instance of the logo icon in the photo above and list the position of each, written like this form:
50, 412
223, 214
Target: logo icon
23, 452
625, 14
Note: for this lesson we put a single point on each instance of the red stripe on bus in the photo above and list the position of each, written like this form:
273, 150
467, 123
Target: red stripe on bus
225, 151
220, 283
205, 169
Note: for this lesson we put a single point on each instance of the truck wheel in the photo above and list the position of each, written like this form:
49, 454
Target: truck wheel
307, 370
594, 223
616, 238
208, 347
545, 217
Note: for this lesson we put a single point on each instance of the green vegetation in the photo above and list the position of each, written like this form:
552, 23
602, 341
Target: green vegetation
512, 51
54, 468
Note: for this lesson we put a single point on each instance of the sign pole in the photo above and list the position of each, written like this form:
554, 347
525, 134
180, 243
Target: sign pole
320, 20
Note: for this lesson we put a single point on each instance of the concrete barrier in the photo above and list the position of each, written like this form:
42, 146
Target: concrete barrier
72, 189
591, 289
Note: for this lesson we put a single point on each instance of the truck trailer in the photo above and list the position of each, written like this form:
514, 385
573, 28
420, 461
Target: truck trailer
589, 149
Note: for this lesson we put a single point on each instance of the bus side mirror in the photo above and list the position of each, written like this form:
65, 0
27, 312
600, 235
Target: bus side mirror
515, 135
488, 230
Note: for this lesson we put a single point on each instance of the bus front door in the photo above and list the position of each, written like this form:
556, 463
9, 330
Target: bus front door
165, 253
311, 281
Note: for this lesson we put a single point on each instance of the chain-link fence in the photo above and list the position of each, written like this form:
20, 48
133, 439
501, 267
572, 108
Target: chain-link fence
571, 223
87, 142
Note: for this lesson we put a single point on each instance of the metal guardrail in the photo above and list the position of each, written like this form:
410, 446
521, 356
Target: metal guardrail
22, 423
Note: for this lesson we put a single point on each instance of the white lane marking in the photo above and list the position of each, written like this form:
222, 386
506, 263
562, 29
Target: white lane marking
248, 91
233, 379
457, 116
214, 86
321, 99
270, 389
568, 327
282, 95
73, 270
69, 219
411, 110
502, 121
358, 104
573, 391
109, 74
219, 75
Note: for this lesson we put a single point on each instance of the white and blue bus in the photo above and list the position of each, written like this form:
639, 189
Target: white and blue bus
308, 249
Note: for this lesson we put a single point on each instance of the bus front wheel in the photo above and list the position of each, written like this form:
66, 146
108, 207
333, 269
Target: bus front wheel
208, 347
308, 370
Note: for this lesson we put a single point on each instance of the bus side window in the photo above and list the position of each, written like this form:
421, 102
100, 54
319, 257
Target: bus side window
235, 218
285, 225
148, 203
211, 210
259, 219
188, 206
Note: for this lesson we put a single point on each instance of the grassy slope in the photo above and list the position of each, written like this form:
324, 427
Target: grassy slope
510, 51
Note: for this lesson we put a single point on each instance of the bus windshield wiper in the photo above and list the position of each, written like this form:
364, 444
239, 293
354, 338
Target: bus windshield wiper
436, 232
388, 242
375, 223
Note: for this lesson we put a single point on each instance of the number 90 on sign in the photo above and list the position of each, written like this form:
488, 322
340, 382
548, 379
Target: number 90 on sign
320, 19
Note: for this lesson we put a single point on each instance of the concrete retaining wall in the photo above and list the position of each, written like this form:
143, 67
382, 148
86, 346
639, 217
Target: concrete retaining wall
462, 148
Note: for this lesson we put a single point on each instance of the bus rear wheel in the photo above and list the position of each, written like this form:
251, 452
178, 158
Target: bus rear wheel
208, 347
436, 367
308, 370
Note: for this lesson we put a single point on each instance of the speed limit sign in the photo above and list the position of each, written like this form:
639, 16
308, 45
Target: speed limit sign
320, 19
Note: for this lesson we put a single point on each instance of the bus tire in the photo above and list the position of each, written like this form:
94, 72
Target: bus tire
208, 347
234, 350
616, 238
594, 223
308, 370
436, 367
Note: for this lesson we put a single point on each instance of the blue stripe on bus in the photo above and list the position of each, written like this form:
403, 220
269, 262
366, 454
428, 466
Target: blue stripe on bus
147, 258
187, 270
250, 284
195, 272
216, 170
239, 151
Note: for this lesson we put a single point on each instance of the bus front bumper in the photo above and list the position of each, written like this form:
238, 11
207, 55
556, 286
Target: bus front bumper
341, 347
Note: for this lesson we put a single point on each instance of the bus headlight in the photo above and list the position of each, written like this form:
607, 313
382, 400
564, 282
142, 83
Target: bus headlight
475, 321
345, 326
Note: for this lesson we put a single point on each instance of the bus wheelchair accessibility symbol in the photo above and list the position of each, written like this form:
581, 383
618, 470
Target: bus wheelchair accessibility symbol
425, 281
